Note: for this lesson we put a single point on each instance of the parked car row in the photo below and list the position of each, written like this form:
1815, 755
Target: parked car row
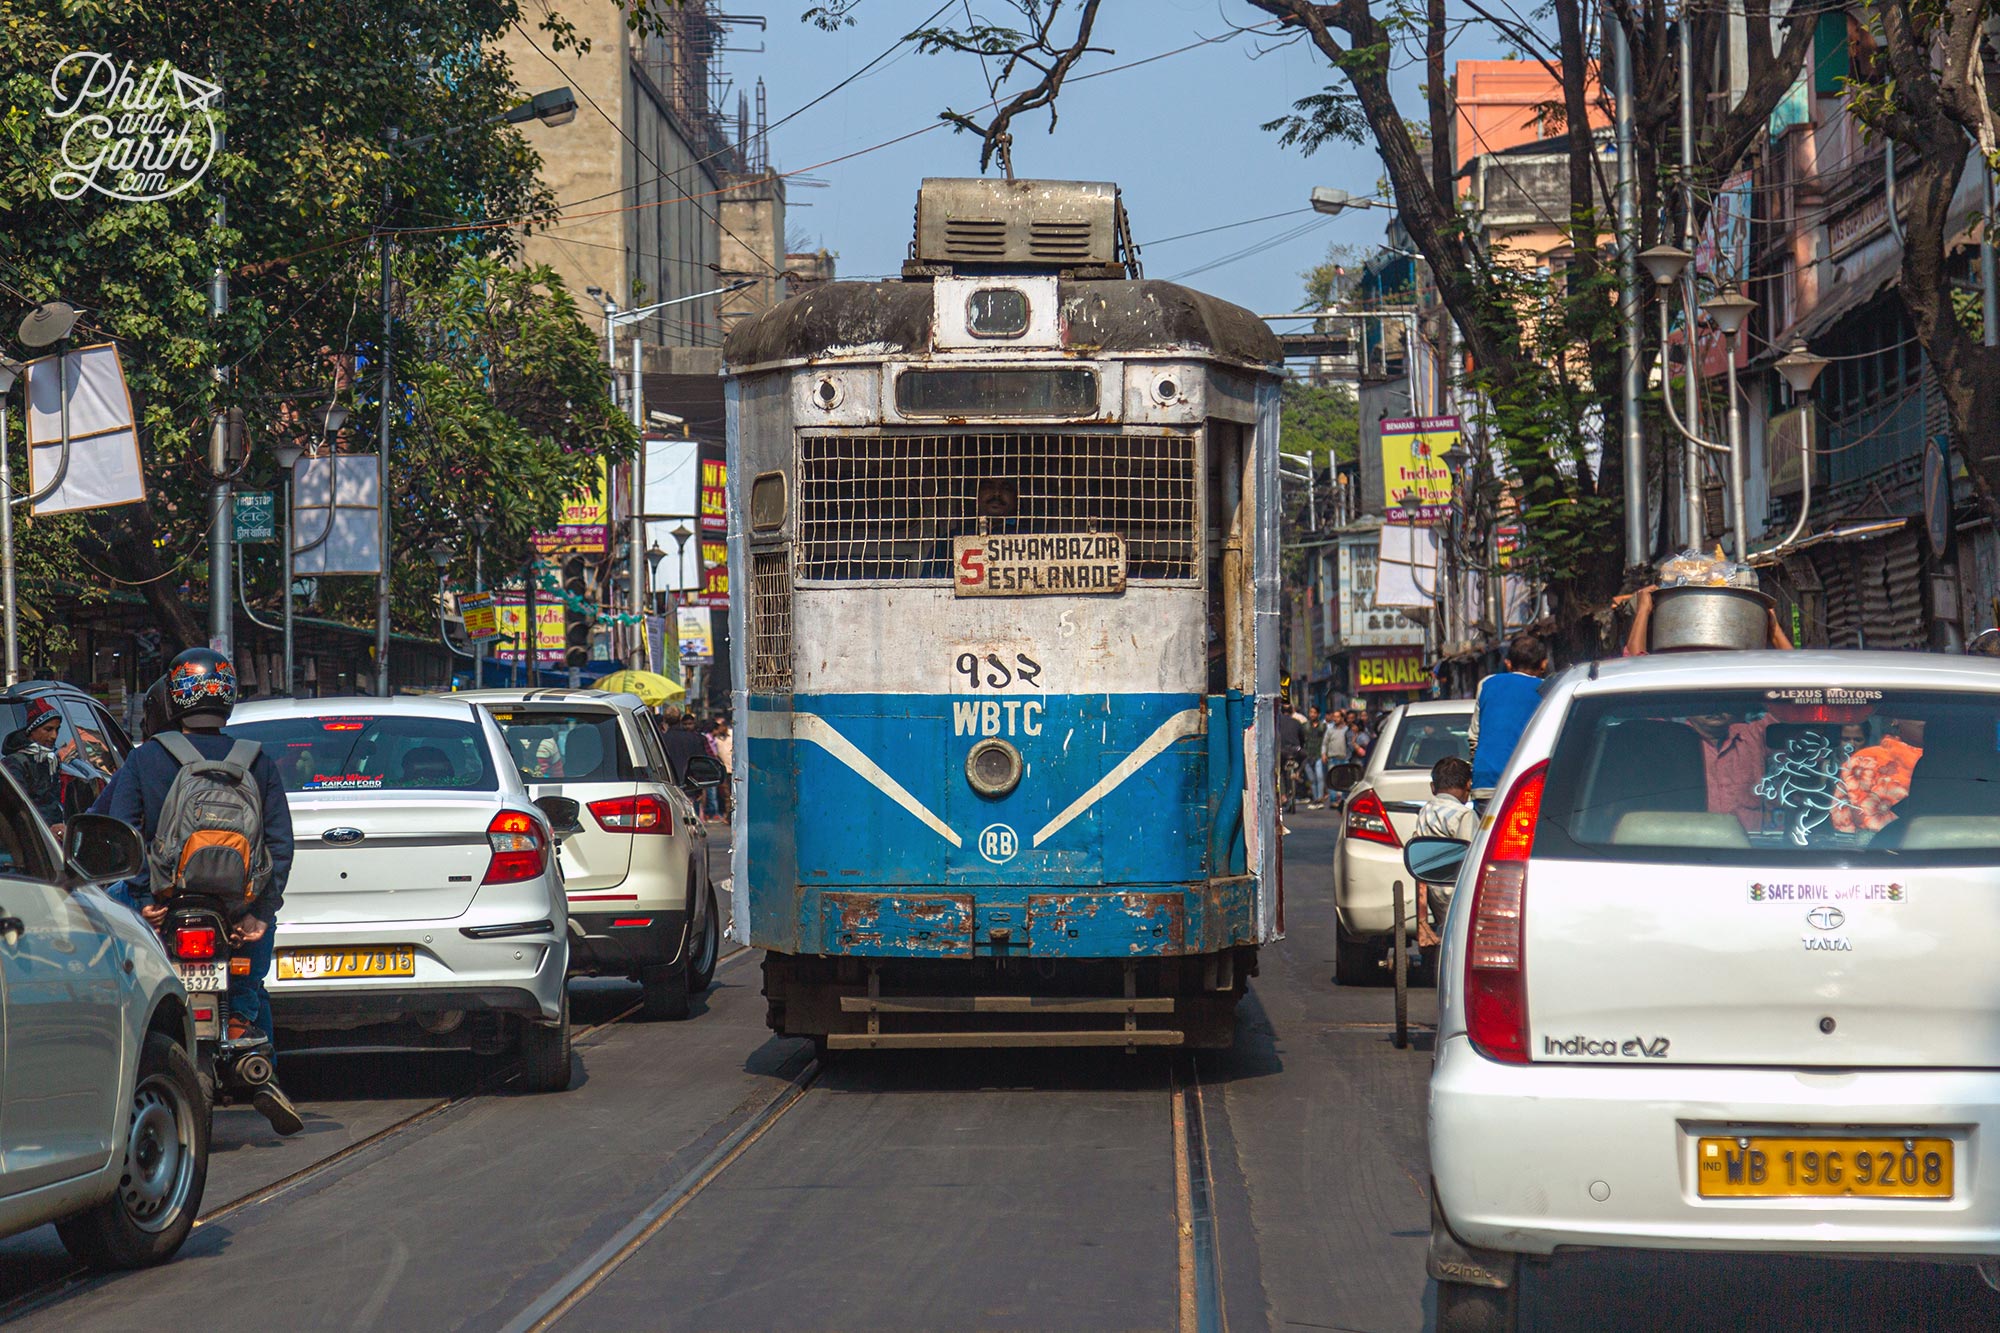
458, 857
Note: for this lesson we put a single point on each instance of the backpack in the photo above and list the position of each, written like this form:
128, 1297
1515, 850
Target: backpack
210, 837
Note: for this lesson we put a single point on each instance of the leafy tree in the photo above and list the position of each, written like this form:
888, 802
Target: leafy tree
1319, 421
499, 400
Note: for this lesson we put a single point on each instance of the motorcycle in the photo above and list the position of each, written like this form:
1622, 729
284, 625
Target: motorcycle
196, 934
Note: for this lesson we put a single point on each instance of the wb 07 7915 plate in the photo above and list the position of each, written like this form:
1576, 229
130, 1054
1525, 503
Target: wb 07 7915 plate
1823, 1167
398, 960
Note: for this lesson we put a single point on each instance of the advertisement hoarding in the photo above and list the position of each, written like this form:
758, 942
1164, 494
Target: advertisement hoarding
585, 528
697, 635
1362, 620
1416, 480
1376, 670
513, 619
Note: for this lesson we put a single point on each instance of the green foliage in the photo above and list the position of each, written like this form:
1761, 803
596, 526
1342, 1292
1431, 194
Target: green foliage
500, 394
1319, 421
1320, 119
1325, 280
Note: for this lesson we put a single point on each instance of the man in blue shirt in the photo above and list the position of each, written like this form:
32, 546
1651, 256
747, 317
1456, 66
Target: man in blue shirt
1502, 707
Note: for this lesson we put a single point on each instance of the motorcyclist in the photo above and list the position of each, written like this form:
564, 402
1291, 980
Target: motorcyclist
199, 694
29, 753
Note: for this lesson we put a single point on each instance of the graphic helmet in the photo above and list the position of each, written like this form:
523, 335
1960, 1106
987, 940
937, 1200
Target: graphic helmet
200, 682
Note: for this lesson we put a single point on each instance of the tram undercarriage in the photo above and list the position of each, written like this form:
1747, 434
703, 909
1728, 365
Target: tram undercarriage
873, 1003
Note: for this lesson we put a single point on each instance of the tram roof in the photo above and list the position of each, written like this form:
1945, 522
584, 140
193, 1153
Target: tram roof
885, 319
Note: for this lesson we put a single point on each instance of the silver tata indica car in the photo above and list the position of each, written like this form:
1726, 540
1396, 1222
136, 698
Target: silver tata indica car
1718, 973
103, 1124
426, 904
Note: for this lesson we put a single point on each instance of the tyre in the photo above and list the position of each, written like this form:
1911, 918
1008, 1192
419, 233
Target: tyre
1356, 962
165, 1169
545, 1054
667, 995
1463, 1308
705, 949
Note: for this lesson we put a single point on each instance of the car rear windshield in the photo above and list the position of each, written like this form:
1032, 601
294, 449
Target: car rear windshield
550, 745
1808, 776
1424, 739
375, 752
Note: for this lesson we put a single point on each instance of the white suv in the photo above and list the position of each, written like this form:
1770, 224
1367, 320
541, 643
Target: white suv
640, 901
1719, 973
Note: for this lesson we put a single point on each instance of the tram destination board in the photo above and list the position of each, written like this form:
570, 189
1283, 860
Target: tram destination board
1014, 565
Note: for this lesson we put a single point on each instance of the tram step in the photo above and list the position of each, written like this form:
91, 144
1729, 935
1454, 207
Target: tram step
862, 1041
1004, 1004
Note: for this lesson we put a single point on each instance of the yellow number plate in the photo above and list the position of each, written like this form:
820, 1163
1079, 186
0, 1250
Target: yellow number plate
1823, 1168
320, 964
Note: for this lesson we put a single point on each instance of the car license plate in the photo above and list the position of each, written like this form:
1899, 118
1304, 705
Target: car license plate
318, 964
1760, 1167
203, 978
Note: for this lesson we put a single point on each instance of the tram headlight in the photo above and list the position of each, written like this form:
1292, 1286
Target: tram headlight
994, 768
997, 312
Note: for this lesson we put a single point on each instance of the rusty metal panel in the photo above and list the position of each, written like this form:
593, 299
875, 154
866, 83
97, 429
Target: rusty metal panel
935, 925
1106, 925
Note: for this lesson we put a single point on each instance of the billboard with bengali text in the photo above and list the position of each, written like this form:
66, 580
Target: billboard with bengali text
585, 528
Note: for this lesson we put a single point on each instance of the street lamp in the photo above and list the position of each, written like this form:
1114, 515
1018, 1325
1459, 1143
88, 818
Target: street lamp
1332, 201
1801, 369
680, 534
654, 555
557, 106
1665, 263
1729, 311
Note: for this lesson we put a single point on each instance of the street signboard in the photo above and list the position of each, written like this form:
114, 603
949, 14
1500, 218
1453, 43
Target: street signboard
482, 615
1385, 669
585, 528
256, 516
1416, 481
697, 635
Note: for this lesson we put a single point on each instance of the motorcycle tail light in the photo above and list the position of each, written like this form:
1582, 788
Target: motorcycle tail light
196, 942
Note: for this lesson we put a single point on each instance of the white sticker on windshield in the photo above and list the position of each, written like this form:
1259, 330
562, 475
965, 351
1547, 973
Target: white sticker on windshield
1828, 893
1814, 694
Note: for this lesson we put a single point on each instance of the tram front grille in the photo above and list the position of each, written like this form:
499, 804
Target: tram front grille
769, 665
885, 507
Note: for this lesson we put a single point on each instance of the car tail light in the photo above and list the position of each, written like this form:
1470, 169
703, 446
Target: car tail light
193, 942
1368, 821
1496, 972
520, 848
634, 814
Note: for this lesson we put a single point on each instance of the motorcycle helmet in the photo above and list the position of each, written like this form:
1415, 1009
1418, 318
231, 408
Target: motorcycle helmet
154, 717
200, 682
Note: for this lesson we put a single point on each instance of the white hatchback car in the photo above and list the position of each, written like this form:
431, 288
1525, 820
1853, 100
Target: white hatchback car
1718, 975
640, 901
1379, 813
424, 892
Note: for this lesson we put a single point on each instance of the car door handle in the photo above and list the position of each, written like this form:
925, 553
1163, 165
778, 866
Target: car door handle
11, 929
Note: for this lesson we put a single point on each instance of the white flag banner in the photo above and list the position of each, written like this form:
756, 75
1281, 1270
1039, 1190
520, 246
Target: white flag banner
1406, 566
82, 394
334, 498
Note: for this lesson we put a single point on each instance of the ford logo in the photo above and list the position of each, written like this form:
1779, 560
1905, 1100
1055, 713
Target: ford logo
1826, 918
345, 837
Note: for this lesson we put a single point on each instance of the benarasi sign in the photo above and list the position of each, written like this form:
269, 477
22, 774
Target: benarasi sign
134, 134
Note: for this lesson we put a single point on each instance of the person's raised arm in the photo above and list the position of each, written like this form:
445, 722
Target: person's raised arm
1642, 623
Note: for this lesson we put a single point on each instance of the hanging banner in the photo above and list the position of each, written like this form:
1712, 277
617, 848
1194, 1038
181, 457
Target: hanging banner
1416, 481
513, 617
333, 505
585, 528
714, 495
1507, 544
482, 617
714, 572
697, 635
81, 396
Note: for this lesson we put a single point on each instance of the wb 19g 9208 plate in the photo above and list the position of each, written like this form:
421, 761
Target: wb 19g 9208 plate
1768, 1167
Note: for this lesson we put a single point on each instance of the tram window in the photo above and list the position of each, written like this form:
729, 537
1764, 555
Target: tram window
999, 497
997, 312
1052, 392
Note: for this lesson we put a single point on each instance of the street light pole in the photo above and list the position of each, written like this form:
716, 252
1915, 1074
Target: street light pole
1729, 311
10, 370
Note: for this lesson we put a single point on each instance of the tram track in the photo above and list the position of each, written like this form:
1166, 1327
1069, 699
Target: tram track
78, 1279
1200, 1305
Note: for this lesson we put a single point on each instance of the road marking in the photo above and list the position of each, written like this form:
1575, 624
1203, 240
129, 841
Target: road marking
1180, 725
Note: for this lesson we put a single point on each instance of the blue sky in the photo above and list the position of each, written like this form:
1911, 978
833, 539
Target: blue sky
1180, 135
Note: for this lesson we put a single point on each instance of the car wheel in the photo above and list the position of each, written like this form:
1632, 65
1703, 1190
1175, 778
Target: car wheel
703, 951
1356, 962
1464, 1308
164, 1171
545, 1054
666, 992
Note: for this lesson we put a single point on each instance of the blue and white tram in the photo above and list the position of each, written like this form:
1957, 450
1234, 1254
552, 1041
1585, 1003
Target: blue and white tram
1004, 550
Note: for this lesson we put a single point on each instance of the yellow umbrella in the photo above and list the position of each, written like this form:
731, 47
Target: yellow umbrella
652, 688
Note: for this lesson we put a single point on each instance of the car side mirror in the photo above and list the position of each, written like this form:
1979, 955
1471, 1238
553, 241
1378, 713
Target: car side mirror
103, 848
565, 815
1343, 776
1434, 860
704, 770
